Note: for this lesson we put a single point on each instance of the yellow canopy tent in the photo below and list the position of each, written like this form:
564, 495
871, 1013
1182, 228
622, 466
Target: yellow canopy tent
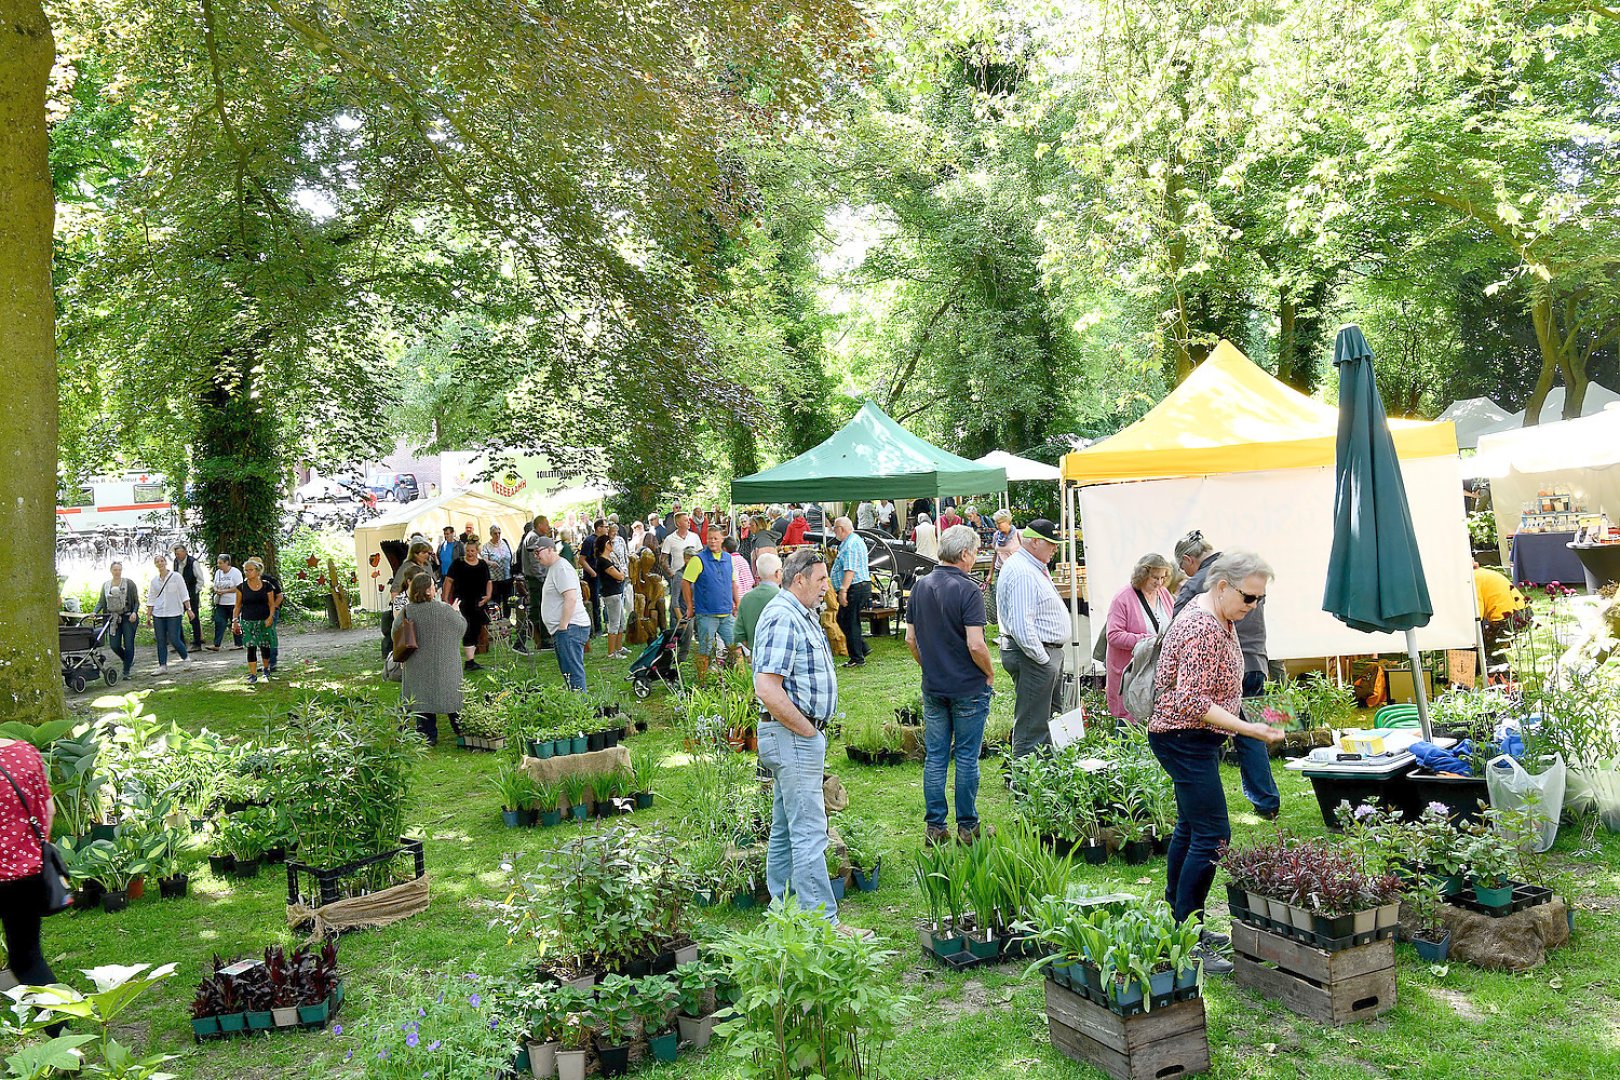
1229, 416
1249, 461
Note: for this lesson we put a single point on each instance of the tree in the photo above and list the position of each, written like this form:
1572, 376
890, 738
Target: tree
30, 667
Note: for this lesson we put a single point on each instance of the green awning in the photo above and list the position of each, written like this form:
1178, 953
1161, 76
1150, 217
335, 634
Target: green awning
871, 457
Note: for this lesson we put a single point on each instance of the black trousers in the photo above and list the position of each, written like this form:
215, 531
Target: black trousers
849, 619
196, 623
21, 902
427, 725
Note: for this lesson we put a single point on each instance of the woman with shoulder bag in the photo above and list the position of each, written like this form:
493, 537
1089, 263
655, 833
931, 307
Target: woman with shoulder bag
1138, 612
431, 682
26, 811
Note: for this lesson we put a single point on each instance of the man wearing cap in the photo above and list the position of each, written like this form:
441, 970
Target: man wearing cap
563, 612
1195, 554
797, 687
1034, 632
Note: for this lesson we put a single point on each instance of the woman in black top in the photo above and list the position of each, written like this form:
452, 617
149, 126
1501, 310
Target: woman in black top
257, 598
469, 587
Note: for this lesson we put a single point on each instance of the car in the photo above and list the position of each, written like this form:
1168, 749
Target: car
329, 489
399, 486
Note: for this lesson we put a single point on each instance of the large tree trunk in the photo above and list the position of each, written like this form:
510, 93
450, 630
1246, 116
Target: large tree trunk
1541, 314
30, 669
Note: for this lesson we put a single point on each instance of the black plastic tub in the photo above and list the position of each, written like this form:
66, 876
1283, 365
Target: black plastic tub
1390, 791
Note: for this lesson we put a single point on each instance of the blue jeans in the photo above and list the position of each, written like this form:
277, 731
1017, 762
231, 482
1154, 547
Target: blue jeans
169, 630
569, 646
797, 857
955, 728
709, 625
1254, 760
121, 640
1193, 760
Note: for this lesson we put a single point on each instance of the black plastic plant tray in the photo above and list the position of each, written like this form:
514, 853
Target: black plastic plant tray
326, 881
1524, 896
1306, 937
961, 961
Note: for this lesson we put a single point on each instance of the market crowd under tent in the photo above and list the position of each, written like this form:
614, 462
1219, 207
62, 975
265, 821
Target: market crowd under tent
1248, 460
428, 517
1580, 456
871, 457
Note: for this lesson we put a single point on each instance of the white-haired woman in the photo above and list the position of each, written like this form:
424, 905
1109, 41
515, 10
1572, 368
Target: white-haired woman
1198, 693
254, 616
1139, 611
926, 536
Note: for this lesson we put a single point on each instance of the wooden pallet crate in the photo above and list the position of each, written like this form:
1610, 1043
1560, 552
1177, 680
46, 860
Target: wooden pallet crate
1333, 987
1157, 1045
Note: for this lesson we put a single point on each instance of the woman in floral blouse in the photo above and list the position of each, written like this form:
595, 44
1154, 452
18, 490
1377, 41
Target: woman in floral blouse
1198, 692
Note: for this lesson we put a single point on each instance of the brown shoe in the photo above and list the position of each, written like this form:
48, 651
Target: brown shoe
965, 835
937, 837
845, 930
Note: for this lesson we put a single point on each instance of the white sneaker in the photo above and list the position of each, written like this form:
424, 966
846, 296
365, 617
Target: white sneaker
162, 670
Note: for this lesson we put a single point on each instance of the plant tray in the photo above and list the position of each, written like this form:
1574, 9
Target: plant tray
1157, 1045
1308, 937
329, 1008
316, 887
1524, 896
875, 757
1331, 987
1136, 1008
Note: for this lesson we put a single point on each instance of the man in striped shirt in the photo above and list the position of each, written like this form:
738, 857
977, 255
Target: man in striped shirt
1035, 630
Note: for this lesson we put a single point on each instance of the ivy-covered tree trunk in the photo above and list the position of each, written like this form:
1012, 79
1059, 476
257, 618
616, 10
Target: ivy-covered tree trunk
238, 463
30, 668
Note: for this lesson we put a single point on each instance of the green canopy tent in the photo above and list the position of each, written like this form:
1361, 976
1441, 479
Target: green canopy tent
871, 457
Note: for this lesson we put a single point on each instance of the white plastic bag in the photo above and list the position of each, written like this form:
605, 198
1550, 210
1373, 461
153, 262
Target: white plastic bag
1512, 787
1605, 778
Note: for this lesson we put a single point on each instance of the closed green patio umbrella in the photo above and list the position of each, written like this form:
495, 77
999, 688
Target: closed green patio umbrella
1375, 576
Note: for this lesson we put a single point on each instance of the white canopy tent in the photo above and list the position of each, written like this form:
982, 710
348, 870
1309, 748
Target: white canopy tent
1472, 417
428, 517
1019, 468
1598, 397
1580, 456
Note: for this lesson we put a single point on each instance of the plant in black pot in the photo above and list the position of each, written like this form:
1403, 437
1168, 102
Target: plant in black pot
246, 836
611, 1015
174, 855
604, 789
575, 786
82, 858
1138, 844
114, 866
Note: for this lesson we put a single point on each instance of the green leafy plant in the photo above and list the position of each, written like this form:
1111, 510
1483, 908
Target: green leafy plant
512, 785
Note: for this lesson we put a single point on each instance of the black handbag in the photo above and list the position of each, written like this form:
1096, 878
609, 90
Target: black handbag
52, 871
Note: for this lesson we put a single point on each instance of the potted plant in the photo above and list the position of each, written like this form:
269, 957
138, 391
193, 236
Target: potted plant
1138, 844
206, 1007
83, 859
655, 1007
860, 844
1432, 938
694, 989
283, 987
1490, 859
113, 865
512, 786
257, 997
646, 764
246, 835
835, 871
170, 859
546, 799
574, 1039
611, 1016
604, 789
574, 787
549, 1011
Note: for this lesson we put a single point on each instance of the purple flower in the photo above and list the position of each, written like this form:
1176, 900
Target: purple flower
475, 1001
337, 1029
435, 1044
1364, 811
412, 1039
493, 1023
382, 1055
1439, 809
421, 1012
441, 997
349, 1055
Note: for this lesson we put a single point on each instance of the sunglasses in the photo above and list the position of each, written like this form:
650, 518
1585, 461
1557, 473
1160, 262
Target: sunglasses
1249, 597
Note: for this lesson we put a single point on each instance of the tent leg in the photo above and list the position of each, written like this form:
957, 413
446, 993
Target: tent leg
1418, 690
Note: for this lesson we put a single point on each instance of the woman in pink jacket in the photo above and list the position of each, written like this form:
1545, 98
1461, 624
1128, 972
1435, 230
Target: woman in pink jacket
1138, 611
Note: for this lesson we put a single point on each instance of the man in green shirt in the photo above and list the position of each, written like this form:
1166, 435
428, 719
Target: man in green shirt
755, 599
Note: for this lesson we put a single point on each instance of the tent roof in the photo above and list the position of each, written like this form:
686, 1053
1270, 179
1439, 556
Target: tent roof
1590, 442
450, 504
1019, 468
1474, 417
871, 457
1229, 416
1598, 397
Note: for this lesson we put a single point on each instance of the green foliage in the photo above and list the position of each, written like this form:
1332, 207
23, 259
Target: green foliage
809, 1001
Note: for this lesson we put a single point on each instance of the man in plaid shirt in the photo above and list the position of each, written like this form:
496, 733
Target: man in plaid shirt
795, 682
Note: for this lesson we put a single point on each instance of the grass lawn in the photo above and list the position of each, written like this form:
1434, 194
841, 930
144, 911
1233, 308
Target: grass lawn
1560, 1021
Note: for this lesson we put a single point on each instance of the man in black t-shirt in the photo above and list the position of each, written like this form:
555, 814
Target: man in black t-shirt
595, 542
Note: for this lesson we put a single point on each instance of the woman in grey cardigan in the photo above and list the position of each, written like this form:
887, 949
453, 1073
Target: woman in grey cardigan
431, 681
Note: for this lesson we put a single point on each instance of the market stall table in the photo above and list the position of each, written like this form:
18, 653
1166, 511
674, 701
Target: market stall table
1539, 558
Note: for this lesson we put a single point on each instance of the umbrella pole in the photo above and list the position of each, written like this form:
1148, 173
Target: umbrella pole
1419, 691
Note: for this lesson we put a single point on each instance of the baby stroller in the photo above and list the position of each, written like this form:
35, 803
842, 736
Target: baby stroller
85, 653
659, 661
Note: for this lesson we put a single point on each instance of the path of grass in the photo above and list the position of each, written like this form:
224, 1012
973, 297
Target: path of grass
1561, 1021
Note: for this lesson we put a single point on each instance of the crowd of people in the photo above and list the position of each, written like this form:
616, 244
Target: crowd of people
245, 602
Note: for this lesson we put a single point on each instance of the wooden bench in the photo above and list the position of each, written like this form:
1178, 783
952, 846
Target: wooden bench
879, 618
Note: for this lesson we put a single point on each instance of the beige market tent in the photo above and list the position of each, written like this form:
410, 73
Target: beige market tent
428, 517
1579, 456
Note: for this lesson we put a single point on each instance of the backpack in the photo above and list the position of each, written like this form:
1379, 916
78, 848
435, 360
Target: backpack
1371, 683
1136, 682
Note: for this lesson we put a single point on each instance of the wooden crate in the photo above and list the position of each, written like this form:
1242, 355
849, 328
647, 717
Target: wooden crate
1158, 1045
1335, 988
